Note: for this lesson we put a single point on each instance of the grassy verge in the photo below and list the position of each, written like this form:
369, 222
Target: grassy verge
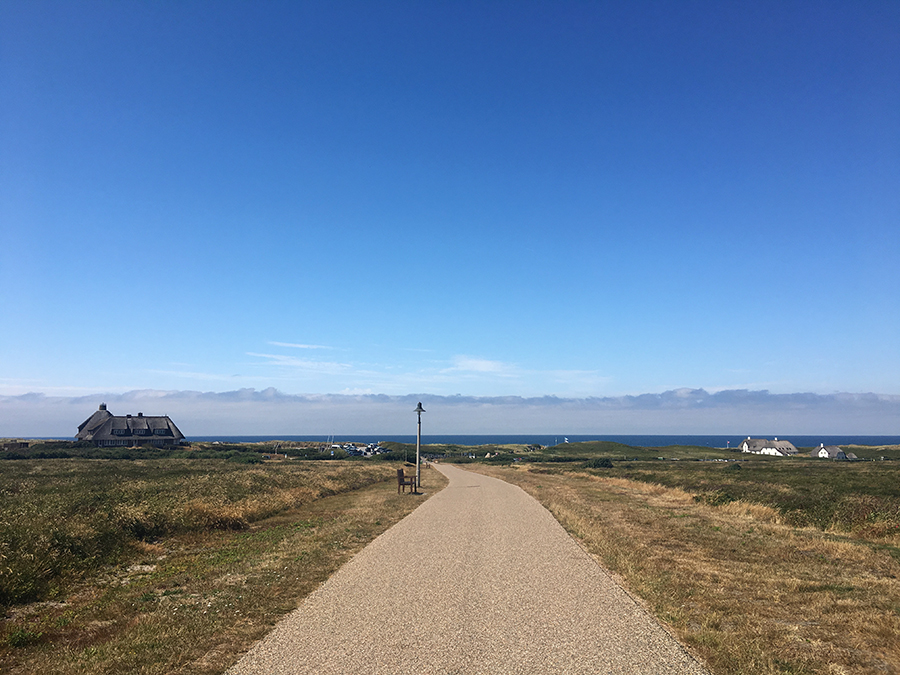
854, 497
737, 582
193, 597
63, 518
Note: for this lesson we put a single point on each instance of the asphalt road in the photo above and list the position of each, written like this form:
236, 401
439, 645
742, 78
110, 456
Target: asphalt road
479, 579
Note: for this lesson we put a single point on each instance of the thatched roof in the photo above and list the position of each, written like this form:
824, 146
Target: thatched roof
834, 452
104, 426
758, 445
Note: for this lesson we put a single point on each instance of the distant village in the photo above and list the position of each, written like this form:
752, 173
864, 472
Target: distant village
103, 429
776, 448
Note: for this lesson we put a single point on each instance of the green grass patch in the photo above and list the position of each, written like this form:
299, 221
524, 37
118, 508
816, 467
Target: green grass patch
854, 497
61, 519
193, 600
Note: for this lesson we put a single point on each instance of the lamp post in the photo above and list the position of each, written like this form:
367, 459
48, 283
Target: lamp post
419, 411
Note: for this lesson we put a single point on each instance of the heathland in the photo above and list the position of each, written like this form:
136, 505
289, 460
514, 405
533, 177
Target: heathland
171, 565
176, 562
763, 565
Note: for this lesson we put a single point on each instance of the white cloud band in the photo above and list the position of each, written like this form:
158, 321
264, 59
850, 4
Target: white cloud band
270, 412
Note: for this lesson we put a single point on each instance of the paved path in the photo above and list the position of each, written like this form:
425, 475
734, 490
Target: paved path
479, 579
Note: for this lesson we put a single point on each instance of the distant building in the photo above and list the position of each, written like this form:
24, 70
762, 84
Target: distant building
13, 444
105, 429
831, 452
762, 446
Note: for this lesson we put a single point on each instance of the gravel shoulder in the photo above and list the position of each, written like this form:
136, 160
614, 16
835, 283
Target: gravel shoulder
479, 579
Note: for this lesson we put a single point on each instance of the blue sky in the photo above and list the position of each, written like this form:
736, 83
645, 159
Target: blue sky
527, 199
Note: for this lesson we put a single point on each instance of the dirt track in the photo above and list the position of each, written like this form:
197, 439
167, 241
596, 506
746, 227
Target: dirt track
479, 579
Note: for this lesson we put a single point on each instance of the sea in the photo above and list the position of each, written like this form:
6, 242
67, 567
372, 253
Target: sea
651, 441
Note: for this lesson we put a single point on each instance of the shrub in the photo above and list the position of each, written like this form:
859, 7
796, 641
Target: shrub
394, 456
599, 463
22, 638
245, 458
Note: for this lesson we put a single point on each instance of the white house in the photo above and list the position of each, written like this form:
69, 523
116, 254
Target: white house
831, 452
762, 446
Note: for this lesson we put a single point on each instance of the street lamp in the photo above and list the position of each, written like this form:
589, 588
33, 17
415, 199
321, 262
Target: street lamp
419, 411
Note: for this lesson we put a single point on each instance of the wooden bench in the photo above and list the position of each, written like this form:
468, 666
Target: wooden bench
403, 481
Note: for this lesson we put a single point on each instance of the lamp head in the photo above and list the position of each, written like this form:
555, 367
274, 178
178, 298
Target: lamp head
419, 409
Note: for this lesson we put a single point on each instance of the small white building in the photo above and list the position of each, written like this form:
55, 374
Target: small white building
763, 446
831, 452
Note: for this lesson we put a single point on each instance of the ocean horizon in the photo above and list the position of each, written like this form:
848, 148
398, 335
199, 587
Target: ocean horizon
640, 441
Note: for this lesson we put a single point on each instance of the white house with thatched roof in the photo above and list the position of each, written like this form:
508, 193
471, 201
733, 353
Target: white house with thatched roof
763, 446
105, 429
831, 452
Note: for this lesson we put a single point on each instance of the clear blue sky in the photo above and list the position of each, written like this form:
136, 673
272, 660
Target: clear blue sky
485, 198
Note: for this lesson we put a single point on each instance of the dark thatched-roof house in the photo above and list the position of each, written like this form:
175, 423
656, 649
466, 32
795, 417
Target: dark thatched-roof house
105, 429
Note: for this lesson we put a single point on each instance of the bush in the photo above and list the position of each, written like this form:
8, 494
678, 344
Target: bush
599, 463
394, 456
22, 638
245, 458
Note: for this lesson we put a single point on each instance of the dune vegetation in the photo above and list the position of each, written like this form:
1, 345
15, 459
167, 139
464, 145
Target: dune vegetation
760, 566
154, 564
172, 565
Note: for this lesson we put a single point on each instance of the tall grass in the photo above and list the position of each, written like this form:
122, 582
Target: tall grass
64, 518
741, 585
858, 497
193, 601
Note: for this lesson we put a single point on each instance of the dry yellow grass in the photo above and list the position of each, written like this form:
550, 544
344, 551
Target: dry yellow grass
193, 602
746, 593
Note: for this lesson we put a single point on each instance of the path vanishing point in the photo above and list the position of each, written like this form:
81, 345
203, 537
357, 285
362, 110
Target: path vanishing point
479, 579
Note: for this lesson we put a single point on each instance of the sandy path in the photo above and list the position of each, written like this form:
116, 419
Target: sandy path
479, 579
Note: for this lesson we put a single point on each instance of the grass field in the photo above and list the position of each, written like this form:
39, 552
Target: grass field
173, 566
859, 497
760, 566
781, 566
